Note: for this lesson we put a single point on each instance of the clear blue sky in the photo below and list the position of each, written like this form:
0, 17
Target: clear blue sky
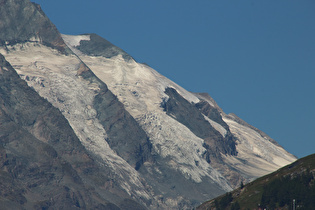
255, 58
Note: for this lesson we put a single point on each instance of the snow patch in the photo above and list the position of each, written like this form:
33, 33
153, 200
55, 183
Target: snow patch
216, 126
74, 41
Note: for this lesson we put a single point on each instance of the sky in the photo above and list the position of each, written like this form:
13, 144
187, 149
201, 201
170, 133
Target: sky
255, 58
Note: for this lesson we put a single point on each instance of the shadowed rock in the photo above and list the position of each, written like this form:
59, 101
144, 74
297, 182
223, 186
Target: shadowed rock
23, 21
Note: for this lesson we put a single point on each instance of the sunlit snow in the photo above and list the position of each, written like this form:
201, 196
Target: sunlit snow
55, 79
75, 40
141, 89
217, 126
261, 156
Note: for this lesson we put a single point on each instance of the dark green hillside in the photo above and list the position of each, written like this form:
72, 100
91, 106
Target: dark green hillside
291, 184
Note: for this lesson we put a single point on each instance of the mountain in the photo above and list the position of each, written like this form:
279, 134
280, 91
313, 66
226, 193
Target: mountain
291, 185
100, 130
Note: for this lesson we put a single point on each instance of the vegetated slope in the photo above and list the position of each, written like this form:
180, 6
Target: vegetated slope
291, 185
155, 142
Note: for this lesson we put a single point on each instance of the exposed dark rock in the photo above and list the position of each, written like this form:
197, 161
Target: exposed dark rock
173, 185
23, 21
214, 113
125, 136
129, 204
98, 46
190, 116
207, 97
211, 112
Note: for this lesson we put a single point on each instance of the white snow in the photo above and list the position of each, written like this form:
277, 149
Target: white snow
216, 126
141, 90
261, 156
75, 40
55, 79
175, 141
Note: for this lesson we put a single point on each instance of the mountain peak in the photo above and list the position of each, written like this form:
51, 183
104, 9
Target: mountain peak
23, 21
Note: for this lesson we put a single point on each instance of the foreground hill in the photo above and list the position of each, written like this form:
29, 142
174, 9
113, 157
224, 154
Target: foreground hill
291, 185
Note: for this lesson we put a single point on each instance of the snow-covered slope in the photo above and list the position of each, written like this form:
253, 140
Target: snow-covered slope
56, 80
142, 90
257, 153
260, 155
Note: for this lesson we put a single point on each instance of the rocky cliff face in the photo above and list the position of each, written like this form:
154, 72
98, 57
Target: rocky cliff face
97, 46
190, 116
132, 144
103, 131
22, 21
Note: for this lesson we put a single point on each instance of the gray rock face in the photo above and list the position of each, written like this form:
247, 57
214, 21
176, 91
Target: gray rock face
190, 116
211, 112
98, 46
125, 136
22, 21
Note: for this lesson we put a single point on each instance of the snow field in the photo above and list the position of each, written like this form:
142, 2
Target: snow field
141, 90
55, 79
261, 156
